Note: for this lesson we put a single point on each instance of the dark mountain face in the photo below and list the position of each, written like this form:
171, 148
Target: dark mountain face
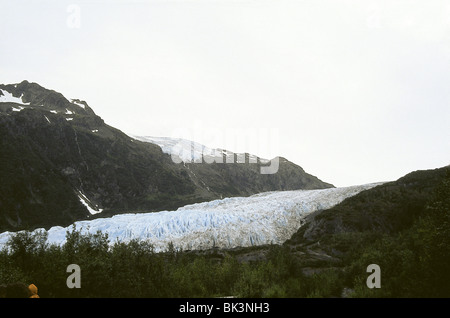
54, 151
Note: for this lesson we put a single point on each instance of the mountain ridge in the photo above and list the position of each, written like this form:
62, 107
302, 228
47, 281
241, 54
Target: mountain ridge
57, 156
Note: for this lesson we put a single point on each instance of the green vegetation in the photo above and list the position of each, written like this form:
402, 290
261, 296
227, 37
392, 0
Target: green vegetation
134, 270
416, 261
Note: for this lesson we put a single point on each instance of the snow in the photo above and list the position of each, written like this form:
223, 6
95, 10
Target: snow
183, 150
68, 112
69, 119
53, 112
14, 109
265, 218
9, 98
78, 104
47, 119
83, 200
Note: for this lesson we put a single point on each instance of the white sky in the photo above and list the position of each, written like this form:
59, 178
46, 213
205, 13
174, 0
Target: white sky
352, 91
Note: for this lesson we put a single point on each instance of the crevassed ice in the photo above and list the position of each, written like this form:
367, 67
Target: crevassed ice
265, 218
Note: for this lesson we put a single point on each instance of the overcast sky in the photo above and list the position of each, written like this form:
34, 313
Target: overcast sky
352, 91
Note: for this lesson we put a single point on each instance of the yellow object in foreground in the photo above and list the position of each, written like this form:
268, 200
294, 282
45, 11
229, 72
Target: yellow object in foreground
34, 291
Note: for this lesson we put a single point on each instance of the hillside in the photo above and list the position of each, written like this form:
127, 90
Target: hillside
388, 208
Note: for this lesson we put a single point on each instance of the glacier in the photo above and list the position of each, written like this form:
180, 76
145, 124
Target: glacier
183, 149
264, 218
187, 151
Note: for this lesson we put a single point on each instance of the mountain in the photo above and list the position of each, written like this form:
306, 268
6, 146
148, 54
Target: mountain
220, 172
60, 163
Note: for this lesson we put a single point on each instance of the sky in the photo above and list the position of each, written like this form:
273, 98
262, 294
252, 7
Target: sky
352, 91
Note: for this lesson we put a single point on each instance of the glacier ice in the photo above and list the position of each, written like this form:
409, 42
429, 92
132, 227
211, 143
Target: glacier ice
264, 218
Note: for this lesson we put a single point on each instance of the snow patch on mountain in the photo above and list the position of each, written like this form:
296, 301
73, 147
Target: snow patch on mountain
265, 218
84, 200
76, 102
7, 97
14, 109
